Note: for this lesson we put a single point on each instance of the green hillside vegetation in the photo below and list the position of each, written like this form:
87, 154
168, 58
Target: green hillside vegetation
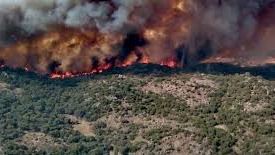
143, 109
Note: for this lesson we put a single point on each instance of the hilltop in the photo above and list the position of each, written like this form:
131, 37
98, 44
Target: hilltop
141, 109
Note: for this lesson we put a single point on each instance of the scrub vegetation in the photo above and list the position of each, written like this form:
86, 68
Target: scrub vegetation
140, 109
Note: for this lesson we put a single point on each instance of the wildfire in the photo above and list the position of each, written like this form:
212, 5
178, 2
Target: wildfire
91, 36
171, 63
145, 60
60, 75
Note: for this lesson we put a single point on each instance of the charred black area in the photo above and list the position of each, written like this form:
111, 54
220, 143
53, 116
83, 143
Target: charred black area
130, 44
2, 62
267, 71
204, 51
111, 61
94, 62
52, 67
182, 55
185, 57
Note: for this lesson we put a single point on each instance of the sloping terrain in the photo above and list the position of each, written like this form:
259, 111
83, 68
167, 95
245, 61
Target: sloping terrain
143, 109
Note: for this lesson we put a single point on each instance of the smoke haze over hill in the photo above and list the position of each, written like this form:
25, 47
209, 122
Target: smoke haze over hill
79, 35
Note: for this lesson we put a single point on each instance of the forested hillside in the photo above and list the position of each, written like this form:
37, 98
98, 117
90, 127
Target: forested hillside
149, 109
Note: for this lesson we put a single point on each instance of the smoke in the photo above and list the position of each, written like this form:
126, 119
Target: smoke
78, 33
36, 16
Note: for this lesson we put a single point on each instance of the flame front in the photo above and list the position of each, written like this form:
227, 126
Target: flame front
80, 38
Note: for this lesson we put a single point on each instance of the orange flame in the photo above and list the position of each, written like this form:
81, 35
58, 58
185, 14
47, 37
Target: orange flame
60, 75
170, 62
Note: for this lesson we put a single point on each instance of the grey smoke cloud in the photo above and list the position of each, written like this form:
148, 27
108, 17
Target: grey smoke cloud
223, 22
36, 15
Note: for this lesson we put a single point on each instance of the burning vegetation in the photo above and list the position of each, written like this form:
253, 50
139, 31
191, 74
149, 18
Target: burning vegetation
65, 38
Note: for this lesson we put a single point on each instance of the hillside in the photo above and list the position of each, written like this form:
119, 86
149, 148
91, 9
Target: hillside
142, 109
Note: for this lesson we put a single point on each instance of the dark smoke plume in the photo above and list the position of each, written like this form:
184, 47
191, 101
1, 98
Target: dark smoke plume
77, 35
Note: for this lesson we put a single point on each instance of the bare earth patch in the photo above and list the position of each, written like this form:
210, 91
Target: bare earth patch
182, 144
153, 122
18, 91
195, 91
254, 107
1, 150
4, 86
40, 141
84, 127
112, 121
270, 121
139, 139
115, 121
176, 144
222, 127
